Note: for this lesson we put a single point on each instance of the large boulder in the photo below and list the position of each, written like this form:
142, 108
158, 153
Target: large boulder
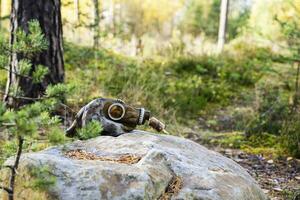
138, 165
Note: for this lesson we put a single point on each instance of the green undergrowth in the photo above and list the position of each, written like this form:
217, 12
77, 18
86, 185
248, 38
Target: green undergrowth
243, 81
173, 89
178, 90
43, 178
265, 144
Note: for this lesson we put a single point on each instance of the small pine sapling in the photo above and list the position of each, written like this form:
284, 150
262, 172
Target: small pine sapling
23, 127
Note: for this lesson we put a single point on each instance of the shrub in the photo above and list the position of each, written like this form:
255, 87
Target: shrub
272, 110
183, 86
91, 130
290, 137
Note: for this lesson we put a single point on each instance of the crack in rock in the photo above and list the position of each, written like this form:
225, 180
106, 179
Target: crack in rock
172, 189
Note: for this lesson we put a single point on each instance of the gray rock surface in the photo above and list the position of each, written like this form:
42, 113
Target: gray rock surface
201, 173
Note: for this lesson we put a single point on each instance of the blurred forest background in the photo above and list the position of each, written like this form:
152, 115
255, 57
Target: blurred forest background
241, 99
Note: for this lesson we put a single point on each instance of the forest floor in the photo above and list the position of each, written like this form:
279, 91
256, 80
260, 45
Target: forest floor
278, 177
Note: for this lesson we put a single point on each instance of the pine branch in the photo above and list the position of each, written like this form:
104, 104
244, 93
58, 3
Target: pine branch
8, 190
282, 59
21, 97
16, 73
7, 166
66, 106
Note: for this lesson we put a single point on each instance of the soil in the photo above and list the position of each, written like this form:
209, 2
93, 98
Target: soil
279, 178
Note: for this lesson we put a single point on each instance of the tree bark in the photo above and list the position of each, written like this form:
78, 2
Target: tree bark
223, 25
47, 12
96, 23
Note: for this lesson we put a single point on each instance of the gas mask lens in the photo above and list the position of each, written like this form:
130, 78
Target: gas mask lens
116, 111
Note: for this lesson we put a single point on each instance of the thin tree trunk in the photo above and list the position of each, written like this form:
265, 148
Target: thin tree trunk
14, 168
223, 25
49, 16
296, 97
77, 10
96, 23
114, 19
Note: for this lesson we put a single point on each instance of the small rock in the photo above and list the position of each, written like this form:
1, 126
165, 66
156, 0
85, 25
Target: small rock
270, 161
265, 191
277, 189
289, 159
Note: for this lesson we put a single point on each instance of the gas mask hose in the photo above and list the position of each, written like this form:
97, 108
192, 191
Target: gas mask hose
157, 125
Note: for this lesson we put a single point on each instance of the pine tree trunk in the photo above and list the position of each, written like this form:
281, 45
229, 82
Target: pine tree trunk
223, 25
48, 14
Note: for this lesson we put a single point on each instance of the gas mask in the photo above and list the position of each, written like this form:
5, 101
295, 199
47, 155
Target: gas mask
127, 115
115, 116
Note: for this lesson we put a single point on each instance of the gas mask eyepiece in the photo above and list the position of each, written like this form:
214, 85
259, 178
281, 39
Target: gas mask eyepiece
116, 111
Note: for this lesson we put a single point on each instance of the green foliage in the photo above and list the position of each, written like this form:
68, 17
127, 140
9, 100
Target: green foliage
273, 109
56, 136
43, 178
27, 45
233, 140
31, 43
33, 121
182, 86
4, 49
213, 79
91, 130
3, 60
197, 19
264, 144
236, 24
25, 67
203, 17
290, 137
2, 110
58, 91
39, 73
290, 28
7, 149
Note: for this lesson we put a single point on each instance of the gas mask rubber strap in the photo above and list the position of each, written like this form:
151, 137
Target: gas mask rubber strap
109, 111
141, 117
